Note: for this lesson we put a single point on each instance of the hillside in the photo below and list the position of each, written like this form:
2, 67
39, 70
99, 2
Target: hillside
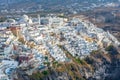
63, 6
60, 39
98, 66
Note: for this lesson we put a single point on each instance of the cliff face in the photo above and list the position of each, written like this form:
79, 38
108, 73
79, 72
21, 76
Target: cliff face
106, 66
97, 66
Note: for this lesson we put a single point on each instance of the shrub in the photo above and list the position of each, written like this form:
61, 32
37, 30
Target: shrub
45, 73
111, 49
79, 61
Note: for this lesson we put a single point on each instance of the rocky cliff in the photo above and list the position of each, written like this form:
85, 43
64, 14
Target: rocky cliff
98, 66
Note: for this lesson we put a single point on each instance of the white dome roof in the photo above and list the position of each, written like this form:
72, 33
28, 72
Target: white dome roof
25, 17
11, 20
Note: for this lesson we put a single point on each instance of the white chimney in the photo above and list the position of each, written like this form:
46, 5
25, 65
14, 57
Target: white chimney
39, 19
